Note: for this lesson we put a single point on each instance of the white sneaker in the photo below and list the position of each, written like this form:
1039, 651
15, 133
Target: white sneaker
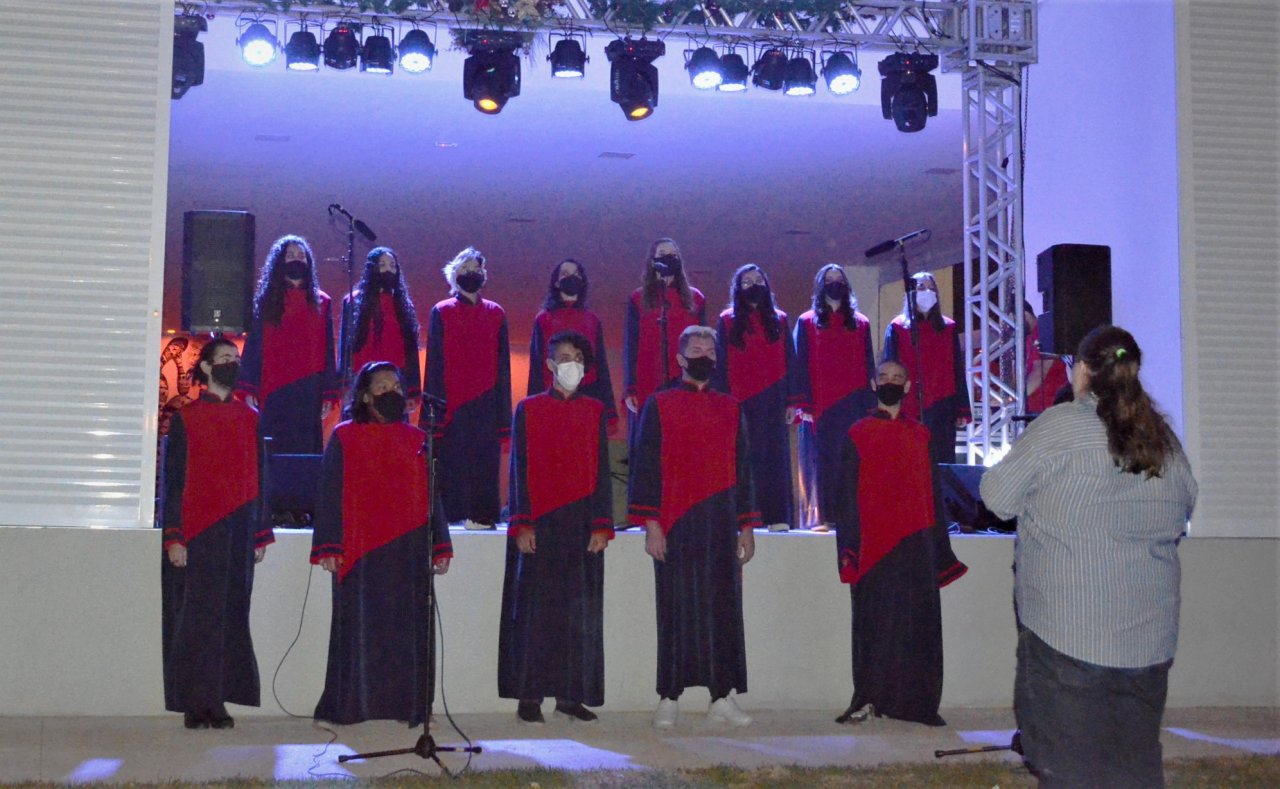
779, 527
664, 717
726, 710
471, 525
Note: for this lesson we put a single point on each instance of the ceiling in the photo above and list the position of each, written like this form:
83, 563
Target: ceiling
789, 183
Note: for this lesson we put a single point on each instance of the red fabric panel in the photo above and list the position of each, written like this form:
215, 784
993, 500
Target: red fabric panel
470, 350
837, 358
295, 348
222, 462
563, 450
758, 366
649, 368
938, 352
384, 486
387, 346
699, 449
895, 491
552, 322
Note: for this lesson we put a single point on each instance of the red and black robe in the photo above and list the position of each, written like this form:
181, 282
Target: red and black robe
894, 551
376, 515
289, 368
644, 370
936, 371
597, 382
469, 367
392, 344
213, 506
1055, 375
833, 369
551, 639
689, 473
757, 374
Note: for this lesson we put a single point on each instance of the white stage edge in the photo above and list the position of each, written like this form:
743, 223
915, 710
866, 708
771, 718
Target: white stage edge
81, 624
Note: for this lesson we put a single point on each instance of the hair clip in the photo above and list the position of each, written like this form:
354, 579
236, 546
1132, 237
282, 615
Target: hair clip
1120, 352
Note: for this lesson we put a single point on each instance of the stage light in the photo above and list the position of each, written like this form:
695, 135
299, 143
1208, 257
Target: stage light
188, 53
908, 92
704, 68
567, 59
417, 53
302, 53
490, 78
841, 73
341, 47
633, 79
734, 71
377, 56
770, 69
257, 45
799, 78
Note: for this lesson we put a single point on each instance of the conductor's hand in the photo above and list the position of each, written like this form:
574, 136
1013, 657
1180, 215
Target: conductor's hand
527, 541
331, 563
632, 404
259, 554
804, 416
178, 555
597, 543
746, 545
655, 542
441, 566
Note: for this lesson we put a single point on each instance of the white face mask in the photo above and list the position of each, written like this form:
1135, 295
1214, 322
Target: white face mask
569, 375
925, 300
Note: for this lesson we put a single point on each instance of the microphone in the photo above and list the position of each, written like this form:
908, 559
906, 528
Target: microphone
885, 246
335, 207
363, 229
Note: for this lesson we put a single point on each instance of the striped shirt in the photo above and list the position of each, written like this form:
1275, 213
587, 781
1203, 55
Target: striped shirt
1096, 562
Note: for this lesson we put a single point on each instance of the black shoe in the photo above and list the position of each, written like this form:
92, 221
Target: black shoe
219, 719
194, 720
575, 711
530, 712
856, 714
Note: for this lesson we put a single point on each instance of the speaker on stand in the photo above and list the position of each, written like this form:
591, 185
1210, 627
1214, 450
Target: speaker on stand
217, 271
1076, 282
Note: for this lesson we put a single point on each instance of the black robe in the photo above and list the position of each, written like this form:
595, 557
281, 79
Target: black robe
212, 505
374, 515
551, 640
895, 553
689, 472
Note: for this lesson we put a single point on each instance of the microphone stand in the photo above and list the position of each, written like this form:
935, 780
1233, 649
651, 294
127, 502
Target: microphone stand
349, 303
426, 746
909, 286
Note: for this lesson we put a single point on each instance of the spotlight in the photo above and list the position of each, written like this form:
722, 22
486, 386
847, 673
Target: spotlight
633, 80
734, 71
704, 69
770, 69
908, 92
799, 79
188, 53
568, 59
841, 73
257, 45
417, 53
341, 47
302, 53
490, 78
378, 56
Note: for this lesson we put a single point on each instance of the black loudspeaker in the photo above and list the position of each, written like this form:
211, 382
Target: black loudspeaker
1076, 282
962, 503
217, 271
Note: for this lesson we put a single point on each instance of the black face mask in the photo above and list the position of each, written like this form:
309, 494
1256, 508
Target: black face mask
668, 265
471, 282
389, 405
700, 368
296, 269
387, 280
890, 394
754, 294
836, 291
225, 374
571, 285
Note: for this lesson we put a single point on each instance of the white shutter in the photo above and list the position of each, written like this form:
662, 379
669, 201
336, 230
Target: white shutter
84, 144
1229, 159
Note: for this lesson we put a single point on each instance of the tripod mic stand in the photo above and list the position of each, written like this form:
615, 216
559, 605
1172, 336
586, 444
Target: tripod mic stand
426, 746
908, 285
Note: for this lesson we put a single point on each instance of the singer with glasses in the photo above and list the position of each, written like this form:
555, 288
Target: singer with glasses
378, 531
379, 323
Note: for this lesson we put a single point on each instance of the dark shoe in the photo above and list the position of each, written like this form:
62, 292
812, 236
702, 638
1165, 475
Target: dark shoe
219, 719
574, 711
530, 712
856, 714
194, 720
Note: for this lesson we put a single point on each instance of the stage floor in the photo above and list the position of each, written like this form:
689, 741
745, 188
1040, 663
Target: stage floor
157, 748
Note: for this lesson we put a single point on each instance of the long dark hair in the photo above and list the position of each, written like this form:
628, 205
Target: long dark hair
934, 315
367, 309
206, 355
822, 310
361, 411
652, 283
268, 301
742, 309
553, 300
1138, 436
